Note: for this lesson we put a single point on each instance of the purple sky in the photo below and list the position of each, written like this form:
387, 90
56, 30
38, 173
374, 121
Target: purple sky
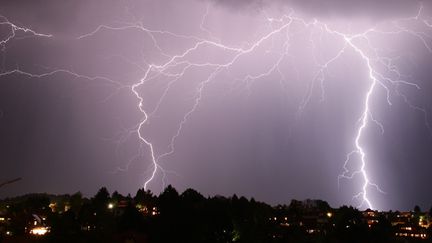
273, 121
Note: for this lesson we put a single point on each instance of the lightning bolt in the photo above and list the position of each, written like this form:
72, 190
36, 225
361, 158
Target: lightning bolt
365, 117
14, 29
176, 66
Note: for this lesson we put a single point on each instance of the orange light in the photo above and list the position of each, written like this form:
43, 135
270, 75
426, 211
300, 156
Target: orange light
39, 231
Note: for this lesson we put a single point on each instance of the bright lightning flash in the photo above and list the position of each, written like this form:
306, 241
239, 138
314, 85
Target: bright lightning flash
176, 66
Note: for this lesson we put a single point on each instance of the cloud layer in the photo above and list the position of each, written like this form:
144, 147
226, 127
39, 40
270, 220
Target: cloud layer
335, 8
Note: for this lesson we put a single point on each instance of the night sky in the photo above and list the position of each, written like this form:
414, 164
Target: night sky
264, 99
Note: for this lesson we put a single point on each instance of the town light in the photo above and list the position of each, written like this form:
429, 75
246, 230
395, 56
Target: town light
39, 231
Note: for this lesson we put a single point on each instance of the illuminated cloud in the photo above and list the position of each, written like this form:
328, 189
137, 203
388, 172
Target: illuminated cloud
245, 97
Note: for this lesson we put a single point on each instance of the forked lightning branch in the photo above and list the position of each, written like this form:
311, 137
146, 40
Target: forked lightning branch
176, 66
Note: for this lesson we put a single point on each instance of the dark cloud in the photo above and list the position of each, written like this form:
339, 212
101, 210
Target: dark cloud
377, 9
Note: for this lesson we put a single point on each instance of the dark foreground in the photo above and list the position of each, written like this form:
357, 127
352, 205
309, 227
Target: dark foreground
189, 217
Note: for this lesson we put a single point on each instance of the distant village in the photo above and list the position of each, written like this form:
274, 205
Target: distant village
191, 217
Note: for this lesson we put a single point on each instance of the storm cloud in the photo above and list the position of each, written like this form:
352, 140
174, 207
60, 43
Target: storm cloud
378, 10
270, 132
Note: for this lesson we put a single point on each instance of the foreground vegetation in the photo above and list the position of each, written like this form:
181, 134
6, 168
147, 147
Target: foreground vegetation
190, 217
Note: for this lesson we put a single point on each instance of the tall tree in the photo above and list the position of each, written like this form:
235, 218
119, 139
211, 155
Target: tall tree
101, 199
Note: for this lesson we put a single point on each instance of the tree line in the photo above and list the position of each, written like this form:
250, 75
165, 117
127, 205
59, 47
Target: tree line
188, 217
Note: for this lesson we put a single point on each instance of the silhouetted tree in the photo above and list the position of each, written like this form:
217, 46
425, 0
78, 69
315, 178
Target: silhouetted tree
144, 197
190, 196
193, 218
116, 197
171, 223
417, 212
101, 199
76, 201
169, 198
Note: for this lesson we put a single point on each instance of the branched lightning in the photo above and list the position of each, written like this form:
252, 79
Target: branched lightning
14, 29
175, 66
365, 117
